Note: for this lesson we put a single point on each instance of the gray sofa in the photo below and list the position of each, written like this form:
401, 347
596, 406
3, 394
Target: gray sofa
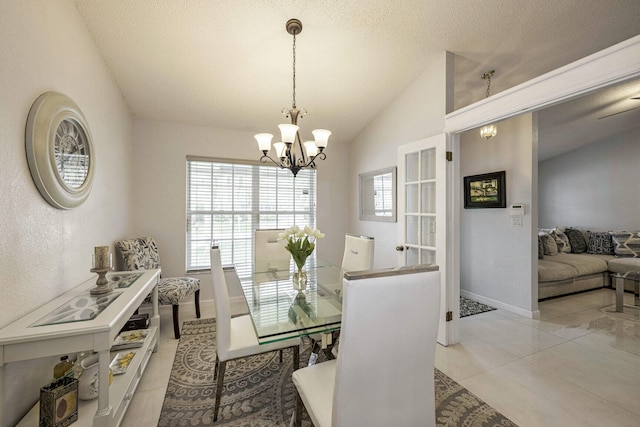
565, 272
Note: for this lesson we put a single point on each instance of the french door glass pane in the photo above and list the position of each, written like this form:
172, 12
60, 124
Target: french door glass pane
427, 256
428, 164
428, 199
411, 236
412, 198
428, 231
412, 256
411, 165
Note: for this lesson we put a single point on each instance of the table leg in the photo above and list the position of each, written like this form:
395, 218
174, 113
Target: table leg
637, 293
619, 293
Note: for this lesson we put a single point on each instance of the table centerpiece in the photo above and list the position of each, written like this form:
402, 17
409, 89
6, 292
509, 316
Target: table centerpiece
300, 244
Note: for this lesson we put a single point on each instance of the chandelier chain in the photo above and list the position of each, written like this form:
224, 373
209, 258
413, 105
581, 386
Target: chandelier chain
488, 86
294, 70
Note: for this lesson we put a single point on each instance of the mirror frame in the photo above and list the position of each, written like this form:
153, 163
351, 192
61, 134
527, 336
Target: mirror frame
44, 126
366, 200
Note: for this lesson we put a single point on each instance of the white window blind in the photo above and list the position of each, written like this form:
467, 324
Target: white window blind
227, 201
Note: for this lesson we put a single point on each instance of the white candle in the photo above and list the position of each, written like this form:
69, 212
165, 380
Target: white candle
102, 257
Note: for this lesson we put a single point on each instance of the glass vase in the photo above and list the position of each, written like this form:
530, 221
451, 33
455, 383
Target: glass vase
299, 280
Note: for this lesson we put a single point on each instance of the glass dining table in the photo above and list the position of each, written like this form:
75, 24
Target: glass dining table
279, 311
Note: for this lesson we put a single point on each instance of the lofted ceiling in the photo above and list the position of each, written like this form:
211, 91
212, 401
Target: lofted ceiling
227, 63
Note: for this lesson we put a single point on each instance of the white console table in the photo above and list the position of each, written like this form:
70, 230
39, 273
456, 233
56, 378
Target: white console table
77, 321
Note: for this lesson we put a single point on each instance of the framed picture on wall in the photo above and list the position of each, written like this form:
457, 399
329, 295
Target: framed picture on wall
488, 190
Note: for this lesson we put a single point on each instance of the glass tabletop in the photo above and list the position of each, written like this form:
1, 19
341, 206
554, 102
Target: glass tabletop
279, 311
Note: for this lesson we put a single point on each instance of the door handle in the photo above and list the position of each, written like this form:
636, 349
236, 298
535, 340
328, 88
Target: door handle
401, 248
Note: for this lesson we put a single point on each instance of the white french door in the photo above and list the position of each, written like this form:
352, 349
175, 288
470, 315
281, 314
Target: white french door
423, 176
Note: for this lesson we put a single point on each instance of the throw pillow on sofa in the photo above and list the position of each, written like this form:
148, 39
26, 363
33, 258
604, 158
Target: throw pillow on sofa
561, 240
600, 243
626, 244
549, 243
540, 248
577, 241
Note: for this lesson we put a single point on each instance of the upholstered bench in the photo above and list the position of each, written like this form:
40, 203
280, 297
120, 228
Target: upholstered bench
142, 254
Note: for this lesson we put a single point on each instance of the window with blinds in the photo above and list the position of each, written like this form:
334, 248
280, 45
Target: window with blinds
227, 201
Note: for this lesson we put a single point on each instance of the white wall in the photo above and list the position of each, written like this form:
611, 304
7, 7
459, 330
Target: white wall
496, 258
44, 251
595, 187
161, 150
416, 113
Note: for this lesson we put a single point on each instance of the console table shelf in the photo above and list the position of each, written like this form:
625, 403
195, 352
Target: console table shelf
77, 321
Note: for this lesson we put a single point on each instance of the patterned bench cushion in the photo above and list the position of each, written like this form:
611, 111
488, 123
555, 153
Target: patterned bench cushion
142, 254
172, 290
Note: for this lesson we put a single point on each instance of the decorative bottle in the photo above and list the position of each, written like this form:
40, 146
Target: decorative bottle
62, 367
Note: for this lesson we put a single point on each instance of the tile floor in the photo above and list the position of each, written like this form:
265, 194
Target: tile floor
578, 365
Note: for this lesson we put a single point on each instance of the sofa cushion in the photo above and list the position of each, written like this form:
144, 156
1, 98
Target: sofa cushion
577, 241
561, 240
626, 243
550, 271
624, 265
549, 243
583, 263
600, 243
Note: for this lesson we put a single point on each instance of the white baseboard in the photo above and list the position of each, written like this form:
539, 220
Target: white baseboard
501, 305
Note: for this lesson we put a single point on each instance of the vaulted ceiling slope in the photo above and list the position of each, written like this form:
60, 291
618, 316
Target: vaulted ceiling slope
227, 63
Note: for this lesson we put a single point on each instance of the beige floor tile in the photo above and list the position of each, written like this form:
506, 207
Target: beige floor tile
532, 397
623, 341
609, 377
145, 408
515, 338
471, 357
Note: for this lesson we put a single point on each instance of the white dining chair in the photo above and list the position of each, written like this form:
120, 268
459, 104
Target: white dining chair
269, 253
384, 373
358, 256
236, 336
358, 253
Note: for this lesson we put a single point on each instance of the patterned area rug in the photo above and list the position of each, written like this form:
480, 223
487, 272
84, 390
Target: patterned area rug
259, 392
469, 307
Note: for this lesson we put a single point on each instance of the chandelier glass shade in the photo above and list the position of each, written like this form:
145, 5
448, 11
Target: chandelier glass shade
490, 130
290, 152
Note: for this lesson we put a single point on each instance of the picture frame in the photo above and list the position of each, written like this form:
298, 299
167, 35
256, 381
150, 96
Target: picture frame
487, 190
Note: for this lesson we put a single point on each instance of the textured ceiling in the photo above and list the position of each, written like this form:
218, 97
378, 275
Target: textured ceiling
228, 63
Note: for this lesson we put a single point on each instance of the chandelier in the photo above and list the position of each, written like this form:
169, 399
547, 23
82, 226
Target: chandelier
490, 130
290, 153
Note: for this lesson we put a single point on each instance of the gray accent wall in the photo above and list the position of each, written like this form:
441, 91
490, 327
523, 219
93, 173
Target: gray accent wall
496, 258
596, 187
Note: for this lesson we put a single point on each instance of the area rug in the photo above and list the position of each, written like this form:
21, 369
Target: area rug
469, 307
259, 393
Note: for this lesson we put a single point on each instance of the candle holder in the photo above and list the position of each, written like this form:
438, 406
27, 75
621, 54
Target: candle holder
102, 284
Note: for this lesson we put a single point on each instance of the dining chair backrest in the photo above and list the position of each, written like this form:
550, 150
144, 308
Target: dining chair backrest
268, 251
222, 304
358, 253
385, 367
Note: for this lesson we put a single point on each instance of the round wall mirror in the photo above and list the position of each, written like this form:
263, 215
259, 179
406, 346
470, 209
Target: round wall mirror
59, 150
